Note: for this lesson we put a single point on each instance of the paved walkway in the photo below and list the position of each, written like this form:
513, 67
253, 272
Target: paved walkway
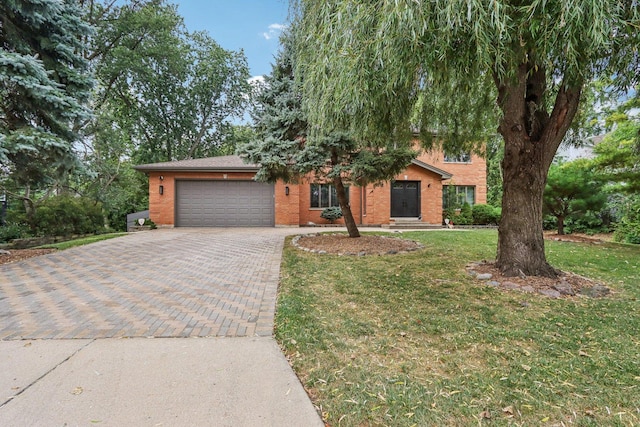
74, 329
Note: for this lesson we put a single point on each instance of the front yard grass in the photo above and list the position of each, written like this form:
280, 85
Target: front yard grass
67, 244
411, 339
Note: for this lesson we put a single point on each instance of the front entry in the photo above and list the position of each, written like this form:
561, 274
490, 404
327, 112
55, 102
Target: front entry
405, 199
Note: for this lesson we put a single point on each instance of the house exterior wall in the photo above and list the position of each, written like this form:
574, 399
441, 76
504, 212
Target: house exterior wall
473, 173
371, 205
378, 198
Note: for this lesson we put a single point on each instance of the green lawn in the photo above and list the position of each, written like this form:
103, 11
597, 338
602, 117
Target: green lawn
411, 339
82, 241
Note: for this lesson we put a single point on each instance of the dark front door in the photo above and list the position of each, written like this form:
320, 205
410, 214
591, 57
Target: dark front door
405, 199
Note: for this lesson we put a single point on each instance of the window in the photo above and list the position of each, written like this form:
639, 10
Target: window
457, 158
324, 195
454, 196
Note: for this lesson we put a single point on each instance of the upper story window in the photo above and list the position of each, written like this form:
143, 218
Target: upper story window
457, 158
324, 195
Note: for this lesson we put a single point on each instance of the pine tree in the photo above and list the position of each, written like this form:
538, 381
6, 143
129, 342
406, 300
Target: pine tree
44, 82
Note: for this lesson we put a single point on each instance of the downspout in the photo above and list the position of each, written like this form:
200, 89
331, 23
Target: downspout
361, 204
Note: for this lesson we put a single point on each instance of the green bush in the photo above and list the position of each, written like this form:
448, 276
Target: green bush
449, 213
485, 214
66, 215
628, 229
333, 213
589, 223
464, 217
13, 231
150, 223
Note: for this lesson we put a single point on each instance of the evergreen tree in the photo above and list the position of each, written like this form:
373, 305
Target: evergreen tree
572, 189
44, 82
284, 152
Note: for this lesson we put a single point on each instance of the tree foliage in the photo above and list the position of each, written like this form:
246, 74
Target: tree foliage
572, 190
44, 83
456, 68
162, 94
284, 151
618, 155
175, 92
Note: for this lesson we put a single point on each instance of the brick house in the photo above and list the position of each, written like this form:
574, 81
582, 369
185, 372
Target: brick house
221, 192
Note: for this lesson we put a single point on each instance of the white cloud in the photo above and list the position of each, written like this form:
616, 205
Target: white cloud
274, 31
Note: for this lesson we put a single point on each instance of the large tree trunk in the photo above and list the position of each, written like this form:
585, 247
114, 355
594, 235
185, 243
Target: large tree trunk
349, 222
531, 137
520, 238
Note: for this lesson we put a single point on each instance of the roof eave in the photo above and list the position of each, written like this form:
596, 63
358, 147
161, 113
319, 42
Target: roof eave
443, 174
143, 168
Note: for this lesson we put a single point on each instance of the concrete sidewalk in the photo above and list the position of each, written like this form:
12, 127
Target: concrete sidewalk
150, 382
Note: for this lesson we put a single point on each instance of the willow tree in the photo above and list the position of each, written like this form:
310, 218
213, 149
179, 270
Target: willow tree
453, 67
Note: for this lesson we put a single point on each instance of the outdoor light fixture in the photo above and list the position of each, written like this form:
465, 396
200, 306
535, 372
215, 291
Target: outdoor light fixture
161, 190
286, 190
161, 177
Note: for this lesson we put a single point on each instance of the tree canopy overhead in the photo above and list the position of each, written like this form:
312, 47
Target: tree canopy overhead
459, 68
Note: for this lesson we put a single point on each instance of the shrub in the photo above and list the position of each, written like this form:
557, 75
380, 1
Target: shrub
13, 231
66, 215
628, 229
449, 213
333, 213
464, 218
150, 223
485, 214
589, 223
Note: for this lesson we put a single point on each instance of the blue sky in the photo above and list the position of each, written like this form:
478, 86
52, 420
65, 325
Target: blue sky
251, 25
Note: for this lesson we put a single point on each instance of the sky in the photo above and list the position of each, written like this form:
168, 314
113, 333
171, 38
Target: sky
251, 25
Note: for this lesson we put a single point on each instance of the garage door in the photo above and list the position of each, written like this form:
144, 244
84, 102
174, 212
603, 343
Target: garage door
224, 204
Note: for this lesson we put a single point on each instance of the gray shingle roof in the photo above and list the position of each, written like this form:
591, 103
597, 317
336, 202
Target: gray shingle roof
209, 164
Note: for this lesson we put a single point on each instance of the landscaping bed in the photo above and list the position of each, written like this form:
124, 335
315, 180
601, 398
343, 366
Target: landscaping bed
20, 254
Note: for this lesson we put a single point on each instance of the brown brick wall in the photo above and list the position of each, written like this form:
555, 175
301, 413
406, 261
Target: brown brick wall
294, 209
378, 198
473, 173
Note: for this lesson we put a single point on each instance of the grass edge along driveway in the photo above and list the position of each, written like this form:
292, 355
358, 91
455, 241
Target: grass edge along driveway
411, 339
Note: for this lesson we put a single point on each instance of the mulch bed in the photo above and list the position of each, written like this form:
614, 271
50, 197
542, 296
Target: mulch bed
342, 244
20, 254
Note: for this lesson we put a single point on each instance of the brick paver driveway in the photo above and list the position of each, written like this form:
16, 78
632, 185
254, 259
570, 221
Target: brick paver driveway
163, 283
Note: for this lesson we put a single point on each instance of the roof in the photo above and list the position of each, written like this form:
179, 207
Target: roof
444, 174
209, 164
236, 164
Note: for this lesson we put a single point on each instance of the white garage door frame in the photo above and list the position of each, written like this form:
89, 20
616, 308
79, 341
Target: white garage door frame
224, 203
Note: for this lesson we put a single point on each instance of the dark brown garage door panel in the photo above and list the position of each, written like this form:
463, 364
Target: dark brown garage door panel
224, 204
